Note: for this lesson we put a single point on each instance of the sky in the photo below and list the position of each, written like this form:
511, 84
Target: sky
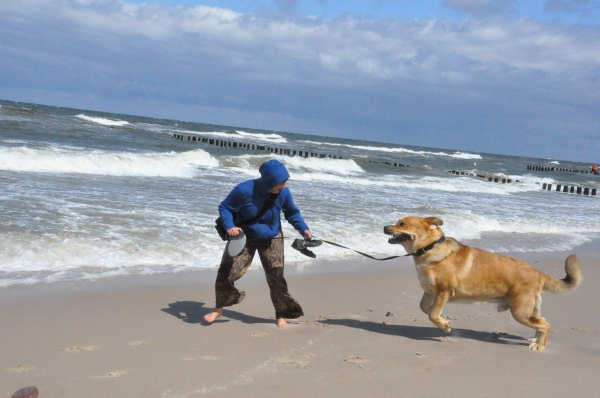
499, 76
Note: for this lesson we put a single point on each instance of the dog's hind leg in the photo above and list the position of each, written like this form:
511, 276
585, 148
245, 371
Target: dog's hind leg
426, 302
526, 311
436, 311
536, 312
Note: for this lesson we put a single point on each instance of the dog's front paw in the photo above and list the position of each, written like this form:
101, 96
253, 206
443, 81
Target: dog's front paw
537, 347
446, 326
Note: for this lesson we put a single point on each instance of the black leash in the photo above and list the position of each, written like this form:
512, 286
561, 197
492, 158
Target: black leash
364, 254
418, 253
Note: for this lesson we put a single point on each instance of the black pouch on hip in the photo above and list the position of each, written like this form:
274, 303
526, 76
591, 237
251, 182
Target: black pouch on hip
221, 228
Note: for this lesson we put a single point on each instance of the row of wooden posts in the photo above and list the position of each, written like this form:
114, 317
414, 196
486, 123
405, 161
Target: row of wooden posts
492, 178
307, 154
390, 163
560, 169
545, 187
570, 189
254, 147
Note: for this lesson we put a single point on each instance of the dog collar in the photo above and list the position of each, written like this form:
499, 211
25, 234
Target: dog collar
425, 249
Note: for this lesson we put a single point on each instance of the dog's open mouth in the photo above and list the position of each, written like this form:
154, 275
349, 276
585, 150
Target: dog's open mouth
399, 238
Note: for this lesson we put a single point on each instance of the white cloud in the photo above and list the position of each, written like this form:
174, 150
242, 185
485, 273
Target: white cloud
329, 61
388, 74
522, 44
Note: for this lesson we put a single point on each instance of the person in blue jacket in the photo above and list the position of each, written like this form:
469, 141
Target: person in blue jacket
268, 195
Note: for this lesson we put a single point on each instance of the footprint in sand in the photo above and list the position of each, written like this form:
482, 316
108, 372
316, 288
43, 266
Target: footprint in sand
298, 364
317, 322
257, 334
580, 329
82, 348
21, 368
447, 339
116, 373
139, 343
356, 360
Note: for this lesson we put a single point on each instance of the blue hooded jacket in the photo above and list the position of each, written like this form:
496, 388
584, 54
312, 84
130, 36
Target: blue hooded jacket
246, 200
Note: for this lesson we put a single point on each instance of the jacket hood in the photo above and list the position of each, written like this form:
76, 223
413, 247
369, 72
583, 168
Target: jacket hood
272, 172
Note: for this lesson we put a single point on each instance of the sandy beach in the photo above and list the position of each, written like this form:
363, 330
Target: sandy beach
143, 336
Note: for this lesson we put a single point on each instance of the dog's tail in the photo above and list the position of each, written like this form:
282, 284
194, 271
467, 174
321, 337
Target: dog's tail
569, 282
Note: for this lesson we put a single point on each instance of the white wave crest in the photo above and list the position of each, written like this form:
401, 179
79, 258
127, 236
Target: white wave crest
204, 133
103, 121
249, 164
272, 138
531, 179
458, 155
336, 166
54, 160
464, 184
275, 138
463, 224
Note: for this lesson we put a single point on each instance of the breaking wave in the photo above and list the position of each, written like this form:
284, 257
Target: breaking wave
55, 160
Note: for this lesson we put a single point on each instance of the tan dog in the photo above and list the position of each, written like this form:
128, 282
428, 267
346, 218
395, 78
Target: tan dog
450, 271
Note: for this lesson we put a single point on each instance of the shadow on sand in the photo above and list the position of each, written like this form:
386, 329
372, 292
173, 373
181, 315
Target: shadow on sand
193, 312
426, 333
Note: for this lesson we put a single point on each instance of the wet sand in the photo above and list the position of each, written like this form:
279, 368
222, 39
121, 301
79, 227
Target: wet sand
143, 336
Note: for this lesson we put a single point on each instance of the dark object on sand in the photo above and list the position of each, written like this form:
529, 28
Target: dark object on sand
390, 314
27, 392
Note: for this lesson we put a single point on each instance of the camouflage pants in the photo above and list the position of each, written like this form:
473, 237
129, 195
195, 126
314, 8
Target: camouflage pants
271, 256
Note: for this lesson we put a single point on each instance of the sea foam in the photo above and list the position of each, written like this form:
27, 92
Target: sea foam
103, 121
241, 135
55, 160
335, 166
274, 138
458, 155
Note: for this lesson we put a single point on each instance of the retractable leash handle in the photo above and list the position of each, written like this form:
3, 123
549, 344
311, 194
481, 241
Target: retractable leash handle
236, 245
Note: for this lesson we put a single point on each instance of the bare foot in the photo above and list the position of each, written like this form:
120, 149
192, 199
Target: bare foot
281, 323
210, 318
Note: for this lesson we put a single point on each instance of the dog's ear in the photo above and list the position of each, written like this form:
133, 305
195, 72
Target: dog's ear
434, 221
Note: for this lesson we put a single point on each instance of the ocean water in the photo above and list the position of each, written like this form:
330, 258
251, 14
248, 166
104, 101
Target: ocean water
88, 194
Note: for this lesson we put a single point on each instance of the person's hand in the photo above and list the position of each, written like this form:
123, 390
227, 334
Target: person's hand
235, 231
307, 234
